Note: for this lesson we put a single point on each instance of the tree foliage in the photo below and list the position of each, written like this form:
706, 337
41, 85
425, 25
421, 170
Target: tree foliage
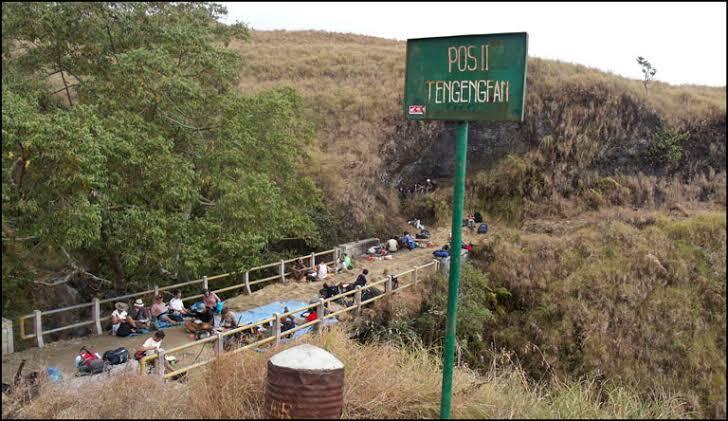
147, 163
648, 72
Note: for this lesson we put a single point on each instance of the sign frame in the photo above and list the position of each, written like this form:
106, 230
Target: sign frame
474, 115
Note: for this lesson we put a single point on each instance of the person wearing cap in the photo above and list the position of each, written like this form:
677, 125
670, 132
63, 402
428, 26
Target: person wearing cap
138, 316
118, 316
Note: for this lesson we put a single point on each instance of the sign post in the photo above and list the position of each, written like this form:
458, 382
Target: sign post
463, 78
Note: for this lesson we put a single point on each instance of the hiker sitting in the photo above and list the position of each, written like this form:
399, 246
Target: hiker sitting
341, 264
88, 362
201, 323
152, 345
361, 281
228, 319
322, 273
160, 312
120, 326
177, 308
211, 300
299, 270
409, 242
287, 323
138, 316
328, 291
443, 252
392, 245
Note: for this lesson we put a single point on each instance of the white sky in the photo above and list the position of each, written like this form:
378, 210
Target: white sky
686, 42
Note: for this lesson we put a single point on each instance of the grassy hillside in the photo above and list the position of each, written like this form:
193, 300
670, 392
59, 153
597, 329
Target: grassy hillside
629, 298
581, 123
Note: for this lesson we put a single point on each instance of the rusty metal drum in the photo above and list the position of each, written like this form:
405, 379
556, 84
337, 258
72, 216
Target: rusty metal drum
304, 382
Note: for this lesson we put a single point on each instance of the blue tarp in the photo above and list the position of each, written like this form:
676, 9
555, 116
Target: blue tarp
263, 312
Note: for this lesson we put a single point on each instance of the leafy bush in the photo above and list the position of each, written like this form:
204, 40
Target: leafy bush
666, 148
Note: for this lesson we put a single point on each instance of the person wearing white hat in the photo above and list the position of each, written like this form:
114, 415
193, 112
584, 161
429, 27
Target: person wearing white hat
139, 316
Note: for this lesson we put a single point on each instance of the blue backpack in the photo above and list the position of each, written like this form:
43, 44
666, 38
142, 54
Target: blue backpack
441, 253
483, 229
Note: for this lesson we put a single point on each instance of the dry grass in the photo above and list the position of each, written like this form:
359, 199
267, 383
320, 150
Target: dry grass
634, 296
381, 381
353, 86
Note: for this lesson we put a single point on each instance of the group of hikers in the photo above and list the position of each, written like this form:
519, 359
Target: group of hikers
417, 188
140, 319
321, 271
209, 315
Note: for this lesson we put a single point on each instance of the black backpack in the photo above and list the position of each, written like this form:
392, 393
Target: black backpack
483, 229
123, 330
424, 234
478, 218
117, 356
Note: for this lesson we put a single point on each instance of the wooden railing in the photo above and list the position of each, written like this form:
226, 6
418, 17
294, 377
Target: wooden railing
276, 334
95, 304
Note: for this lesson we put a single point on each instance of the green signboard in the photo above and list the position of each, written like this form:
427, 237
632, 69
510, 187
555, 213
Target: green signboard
466, 78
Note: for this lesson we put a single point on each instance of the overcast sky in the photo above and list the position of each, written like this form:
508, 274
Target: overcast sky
686, 42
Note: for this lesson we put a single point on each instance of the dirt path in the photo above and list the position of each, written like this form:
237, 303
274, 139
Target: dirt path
61, 354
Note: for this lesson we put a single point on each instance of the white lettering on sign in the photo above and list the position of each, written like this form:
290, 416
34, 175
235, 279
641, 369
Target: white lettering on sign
467, 91
468, 58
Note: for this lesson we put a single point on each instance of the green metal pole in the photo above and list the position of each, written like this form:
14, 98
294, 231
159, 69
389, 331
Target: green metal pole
461, 147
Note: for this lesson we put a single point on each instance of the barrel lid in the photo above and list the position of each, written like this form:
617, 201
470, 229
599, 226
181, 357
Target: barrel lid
306, 357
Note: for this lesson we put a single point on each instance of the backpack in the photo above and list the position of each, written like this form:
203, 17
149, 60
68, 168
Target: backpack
117, 356
478, 217
483, 229
91, 364
123, 330
441, 253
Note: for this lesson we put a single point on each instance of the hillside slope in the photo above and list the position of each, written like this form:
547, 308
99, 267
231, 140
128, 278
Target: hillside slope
581, 124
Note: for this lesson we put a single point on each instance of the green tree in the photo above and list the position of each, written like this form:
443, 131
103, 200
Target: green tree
147, 163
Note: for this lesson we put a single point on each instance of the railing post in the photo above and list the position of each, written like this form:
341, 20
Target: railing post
204, 282
320, 311
219, 349
247, 282
277, 328
283, 271
415, 274
313, 260
38, 327
160, 363
357, 300
96, 314
388, 286
156, 291
337, 254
